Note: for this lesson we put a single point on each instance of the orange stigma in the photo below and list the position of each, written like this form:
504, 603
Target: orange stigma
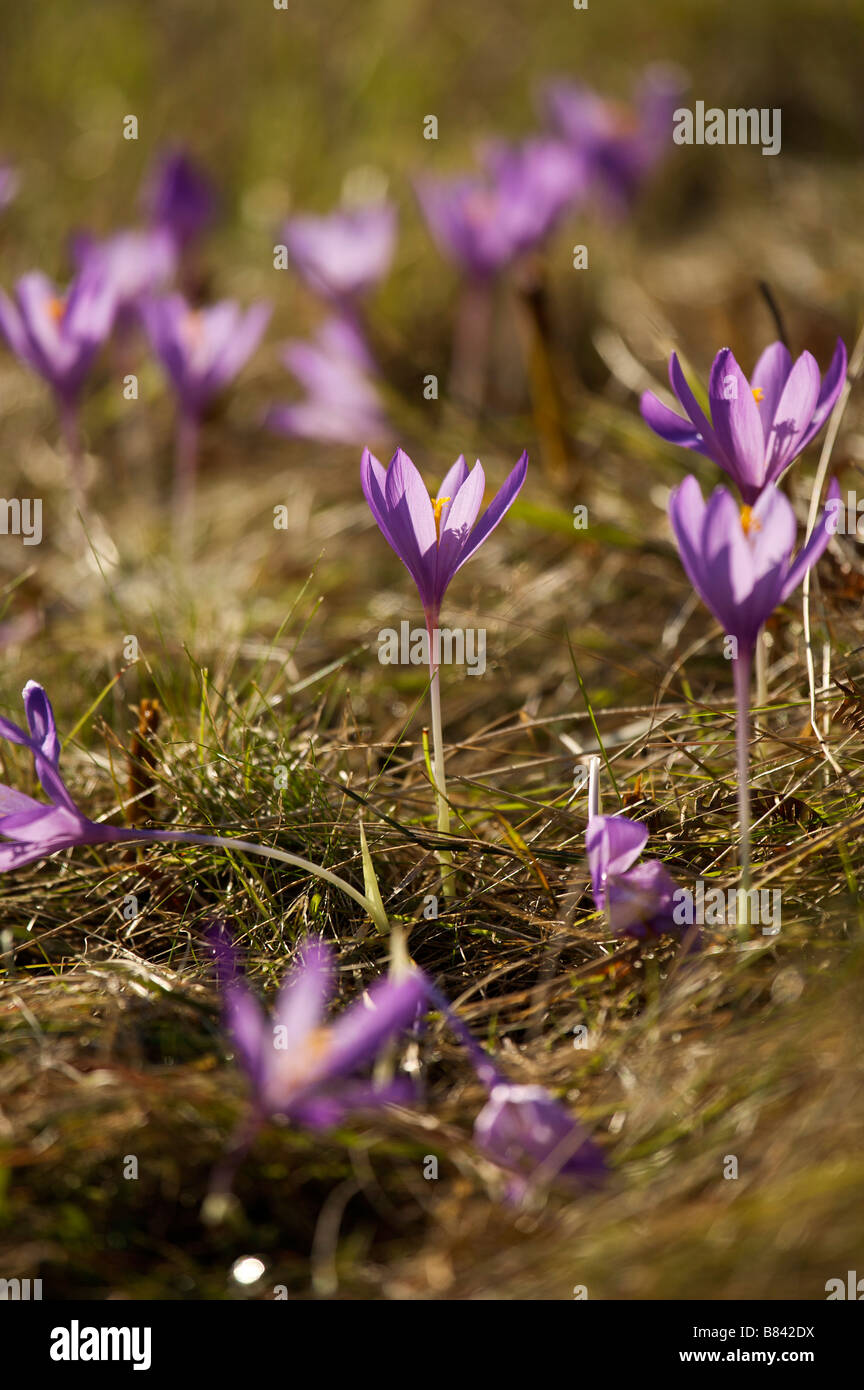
747, 522
758, 393
57, 308
438, 505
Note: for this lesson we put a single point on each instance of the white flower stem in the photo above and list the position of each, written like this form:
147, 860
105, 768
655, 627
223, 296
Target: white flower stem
741, 672
445, 858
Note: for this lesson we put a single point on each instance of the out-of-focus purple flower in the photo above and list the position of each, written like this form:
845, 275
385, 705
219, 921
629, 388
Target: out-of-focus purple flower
342, 404
639, 898
345, 254
523, 1128
623, 144
532, 1135
483, 222
133, 263
739, 560
178, 196
33, 828
299, 1067
58, 333
202, 350
9, 184
757, 427
434, 538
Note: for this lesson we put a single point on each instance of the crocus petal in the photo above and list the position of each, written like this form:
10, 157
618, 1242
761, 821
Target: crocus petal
248, 1028
701, 423
811, 552
325, 1111
831, 388
498, 507
40, 720
358, 1034
456, 529
668, 425
303, 997
412, 523
737, 425
612, 844
524, 1128
453, 480
769, 377
793, 415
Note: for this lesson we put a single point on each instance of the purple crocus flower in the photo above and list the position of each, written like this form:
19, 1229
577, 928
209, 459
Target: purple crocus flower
433, 537
757, 427
529, 1133
523, 1128
179, 197
201, 351
739, 560
58, 334
622, 144
344, 255
483, 222
300, 1068
342, 405
639, 898
9, 184
37, 830
34, 829
133, 263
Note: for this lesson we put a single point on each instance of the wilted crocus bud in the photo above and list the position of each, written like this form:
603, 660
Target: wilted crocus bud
178, 196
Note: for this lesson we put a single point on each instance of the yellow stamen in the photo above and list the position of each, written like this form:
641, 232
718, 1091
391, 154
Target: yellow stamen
438, 505
57, 308
758, 393
747, 521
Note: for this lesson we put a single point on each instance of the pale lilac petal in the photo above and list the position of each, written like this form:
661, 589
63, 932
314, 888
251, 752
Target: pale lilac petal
496, 510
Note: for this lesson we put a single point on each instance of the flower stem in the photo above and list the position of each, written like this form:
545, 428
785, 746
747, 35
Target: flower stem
185, 470
741, 667
71, 431
189, 837
445, 858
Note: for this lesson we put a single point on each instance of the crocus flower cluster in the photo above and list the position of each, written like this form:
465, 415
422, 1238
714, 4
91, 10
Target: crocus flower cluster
178, 197
485, 221
757, 427
312, 1074
621, 144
